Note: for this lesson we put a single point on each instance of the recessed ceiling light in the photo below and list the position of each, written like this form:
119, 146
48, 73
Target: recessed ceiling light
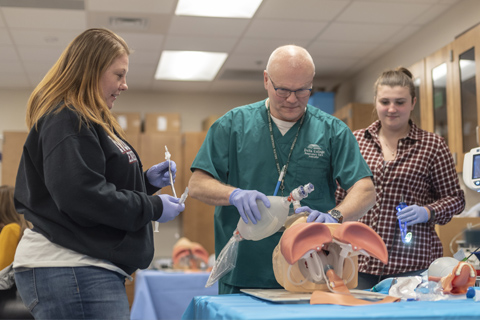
218, 8
189, 65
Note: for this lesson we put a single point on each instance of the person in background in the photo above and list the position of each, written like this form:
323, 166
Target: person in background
82, 186
12, 226
244, 151
409, 165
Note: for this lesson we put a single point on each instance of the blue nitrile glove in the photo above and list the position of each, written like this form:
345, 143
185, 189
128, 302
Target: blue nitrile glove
316, 216
245, 201
412, 215
171, 208
158, 175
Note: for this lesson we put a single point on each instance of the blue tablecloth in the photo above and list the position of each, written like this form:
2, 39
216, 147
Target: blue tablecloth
166, 294
242, 306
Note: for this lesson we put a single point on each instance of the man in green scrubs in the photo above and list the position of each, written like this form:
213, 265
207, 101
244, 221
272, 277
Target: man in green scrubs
244, 151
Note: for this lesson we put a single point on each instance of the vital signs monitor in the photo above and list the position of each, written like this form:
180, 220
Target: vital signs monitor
471, 169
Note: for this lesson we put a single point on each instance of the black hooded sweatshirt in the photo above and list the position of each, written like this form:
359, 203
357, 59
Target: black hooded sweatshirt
86, 192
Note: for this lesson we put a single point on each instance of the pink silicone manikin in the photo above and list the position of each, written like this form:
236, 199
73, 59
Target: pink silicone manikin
460, 279
362, 237
302, 238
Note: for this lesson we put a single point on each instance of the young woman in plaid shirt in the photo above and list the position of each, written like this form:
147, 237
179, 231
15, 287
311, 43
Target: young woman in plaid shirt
409, 165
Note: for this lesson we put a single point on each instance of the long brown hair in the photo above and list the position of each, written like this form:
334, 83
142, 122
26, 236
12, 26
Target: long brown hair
8, 214
75, 80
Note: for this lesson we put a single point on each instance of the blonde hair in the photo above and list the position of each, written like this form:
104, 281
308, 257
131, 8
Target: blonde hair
399, 77
75, 80
8, 214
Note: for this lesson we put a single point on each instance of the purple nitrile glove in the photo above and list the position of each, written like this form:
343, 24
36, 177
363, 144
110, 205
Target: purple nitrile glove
158, 174
412, 215
171, 208
316, 216
245, 201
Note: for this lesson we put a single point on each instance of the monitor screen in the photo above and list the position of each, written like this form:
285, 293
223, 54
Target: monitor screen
476, 167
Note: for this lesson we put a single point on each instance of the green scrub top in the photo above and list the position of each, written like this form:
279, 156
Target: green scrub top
238, 151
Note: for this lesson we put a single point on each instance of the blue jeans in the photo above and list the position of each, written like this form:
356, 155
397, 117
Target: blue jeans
73, 293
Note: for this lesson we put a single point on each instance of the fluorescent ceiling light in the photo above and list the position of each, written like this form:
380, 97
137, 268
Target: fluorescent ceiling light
189, 65
218, 8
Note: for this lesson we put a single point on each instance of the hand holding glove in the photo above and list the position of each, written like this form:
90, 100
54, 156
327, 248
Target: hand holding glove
412, 215
158, 174
171, 208
316, 216
245, 201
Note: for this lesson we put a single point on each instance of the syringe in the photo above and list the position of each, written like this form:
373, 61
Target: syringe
167, 157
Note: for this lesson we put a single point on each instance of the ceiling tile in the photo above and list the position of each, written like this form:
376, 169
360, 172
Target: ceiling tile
314, 10
15, 80
11, 67
265, 46
432, 13
144, 57
278, 29
43, 37
37, 68
155, 23
247, 62
213, 44
357, 32
212, 27
57, 19
48, 55
380, 12
8, 54
138, 6
338, 49
4, 37
143, 42
403, 34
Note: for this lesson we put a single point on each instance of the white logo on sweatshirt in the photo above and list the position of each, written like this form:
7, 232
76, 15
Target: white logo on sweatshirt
125, 149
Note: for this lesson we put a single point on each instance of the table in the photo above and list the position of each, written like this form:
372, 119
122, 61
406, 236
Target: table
242, 306
166, 294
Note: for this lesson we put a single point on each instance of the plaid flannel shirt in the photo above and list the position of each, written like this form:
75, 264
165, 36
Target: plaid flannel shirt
423, 173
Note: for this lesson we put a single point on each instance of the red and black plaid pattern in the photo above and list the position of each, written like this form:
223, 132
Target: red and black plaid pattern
423, 173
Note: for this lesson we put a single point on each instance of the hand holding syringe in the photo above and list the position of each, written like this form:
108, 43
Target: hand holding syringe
184, 195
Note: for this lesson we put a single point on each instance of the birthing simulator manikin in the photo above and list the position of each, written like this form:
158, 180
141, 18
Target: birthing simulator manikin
320, 257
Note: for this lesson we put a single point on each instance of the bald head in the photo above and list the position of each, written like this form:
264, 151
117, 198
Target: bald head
290, 57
